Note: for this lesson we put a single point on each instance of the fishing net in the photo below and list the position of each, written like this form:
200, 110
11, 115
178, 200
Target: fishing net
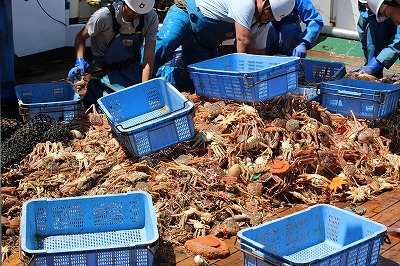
8, 127
38, 129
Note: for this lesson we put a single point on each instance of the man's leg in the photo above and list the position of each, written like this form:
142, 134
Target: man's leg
174, 30
381, 36
362, 28
283, 39
272, 45
94, 90
289, 37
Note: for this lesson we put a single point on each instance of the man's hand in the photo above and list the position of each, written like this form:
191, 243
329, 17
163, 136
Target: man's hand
371, 68
300, 50
79, 70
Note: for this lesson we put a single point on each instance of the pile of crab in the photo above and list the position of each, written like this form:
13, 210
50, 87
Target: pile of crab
245, 161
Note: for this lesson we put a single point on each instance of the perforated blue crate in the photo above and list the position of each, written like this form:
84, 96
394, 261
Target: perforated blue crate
319, 235
313, 72
366, 99
113, 229
58, 100
149, 116
244, 77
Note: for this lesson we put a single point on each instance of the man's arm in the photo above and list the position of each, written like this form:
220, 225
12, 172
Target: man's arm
259, 51
313, 20
148, 60
243, 39
80, 42
390, 54
80, 64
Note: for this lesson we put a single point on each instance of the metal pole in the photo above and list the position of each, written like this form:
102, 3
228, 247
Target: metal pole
340, 33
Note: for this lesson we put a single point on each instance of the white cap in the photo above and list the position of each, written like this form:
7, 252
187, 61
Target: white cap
281, 8
363, 1
375, 5
140, 6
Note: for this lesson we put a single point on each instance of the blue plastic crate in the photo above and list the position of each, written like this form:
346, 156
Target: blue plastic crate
149, 116
114, 229
319, 235
244, 77
366, 99
58, 100
313, 72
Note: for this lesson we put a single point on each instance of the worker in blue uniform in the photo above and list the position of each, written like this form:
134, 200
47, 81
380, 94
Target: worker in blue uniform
385, 9
200, 26
380, 41
117, 33
286, 36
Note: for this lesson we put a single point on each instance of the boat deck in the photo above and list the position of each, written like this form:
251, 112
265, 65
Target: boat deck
383, 208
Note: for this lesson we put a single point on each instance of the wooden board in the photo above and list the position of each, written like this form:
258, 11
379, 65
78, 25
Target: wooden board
384, 209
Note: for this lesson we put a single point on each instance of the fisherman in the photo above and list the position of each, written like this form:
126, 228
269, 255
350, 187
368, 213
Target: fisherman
380, 38
286, 36
200, 26
117, 33
386, 9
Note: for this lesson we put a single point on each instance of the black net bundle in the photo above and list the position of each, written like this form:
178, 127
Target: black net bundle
8, 127
38, 129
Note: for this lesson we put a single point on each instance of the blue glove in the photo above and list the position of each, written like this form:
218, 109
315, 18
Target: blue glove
372, 67
300, 50
79, 69
356, 70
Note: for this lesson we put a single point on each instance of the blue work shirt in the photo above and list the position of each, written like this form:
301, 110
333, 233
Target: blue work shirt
305, 11
381, 39
391, 53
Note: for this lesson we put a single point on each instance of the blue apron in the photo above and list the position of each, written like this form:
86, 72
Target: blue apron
121, 67
210, 33
121, 64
